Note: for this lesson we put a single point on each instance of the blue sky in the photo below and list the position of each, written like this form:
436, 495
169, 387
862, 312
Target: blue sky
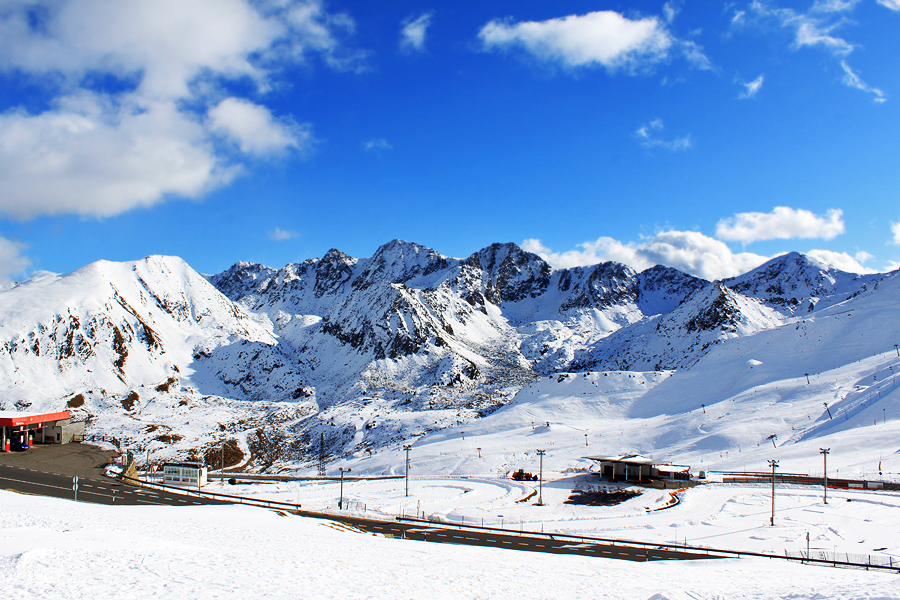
705, 136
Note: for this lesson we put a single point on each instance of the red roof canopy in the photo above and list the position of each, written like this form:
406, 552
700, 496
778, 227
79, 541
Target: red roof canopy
9, 419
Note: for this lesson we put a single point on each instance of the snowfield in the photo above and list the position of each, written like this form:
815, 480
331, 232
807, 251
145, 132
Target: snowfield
53, 548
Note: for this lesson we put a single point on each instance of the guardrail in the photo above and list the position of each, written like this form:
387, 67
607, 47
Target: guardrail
211, 495
799, 479
267, 477
860, 561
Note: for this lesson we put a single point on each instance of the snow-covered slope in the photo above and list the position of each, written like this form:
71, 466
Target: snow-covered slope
141, 350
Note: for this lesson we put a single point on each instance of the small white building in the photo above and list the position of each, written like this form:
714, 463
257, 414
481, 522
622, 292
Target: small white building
185, 474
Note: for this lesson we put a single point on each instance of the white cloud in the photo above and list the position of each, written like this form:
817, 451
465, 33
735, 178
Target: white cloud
377, 145
840, 260
689, 251
89, 157
834, 6
752, 88
647, 136
895, 229
144, 135
853, 80
12, 261
863, 257
603, 38
253, 128
280, 235
590, 253
814, 28
817, 27
671, 10
412, 36
781, 224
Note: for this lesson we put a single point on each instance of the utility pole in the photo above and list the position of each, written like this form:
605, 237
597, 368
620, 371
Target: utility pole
585, 440
479, 452
807, 378
407, 447
824, 452
341, 498
541, 479
773, 464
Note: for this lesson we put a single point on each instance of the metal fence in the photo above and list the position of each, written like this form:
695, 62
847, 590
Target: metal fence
846, 559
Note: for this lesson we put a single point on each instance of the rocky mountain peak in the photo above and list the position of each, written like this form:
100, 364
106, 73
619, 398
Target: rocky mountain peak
719, 310
399, 261
241, 279
511, 274
661, 289
794, 282
332, 271
603, 285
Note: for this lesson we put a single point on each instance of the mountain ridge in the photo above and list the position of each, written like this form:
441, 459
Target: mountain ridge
416, 340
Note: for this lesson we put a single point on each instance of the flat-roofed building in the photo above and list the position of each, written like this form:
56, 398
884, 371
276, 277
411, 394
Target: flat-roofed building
185, 474
634, 467
25, 428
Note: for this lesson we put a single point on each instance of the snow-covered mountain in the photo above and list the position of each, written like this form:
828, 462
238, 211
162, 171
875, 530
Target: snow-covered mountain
363, 352
796, 284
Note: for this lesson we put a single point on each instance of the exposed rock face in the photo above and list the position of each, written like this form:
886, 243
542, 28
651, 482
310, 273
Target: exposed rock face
509, 274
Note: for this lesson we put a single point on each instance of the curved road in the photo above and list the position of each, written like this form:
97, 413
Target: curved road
43, 483
47, 470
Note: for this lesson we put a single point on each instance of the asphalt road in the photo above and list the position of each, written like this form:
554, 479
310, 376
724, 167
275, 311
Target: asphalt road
510, 541
84, 460
34, 481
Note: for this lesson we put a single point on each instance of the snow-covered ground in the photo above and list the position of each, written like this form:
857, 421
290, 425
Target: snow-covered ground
723, 516
53, 548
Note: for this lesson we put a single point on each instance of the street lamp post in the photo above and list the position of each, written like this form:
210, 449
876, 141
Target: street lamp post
824, 452
479, 452
407, 447
585, 439
773, 464
541, 479
341, 498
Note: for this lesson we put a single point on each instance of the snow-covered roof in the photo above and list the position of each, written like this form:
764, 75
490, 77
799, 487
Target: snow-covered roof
632, 459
